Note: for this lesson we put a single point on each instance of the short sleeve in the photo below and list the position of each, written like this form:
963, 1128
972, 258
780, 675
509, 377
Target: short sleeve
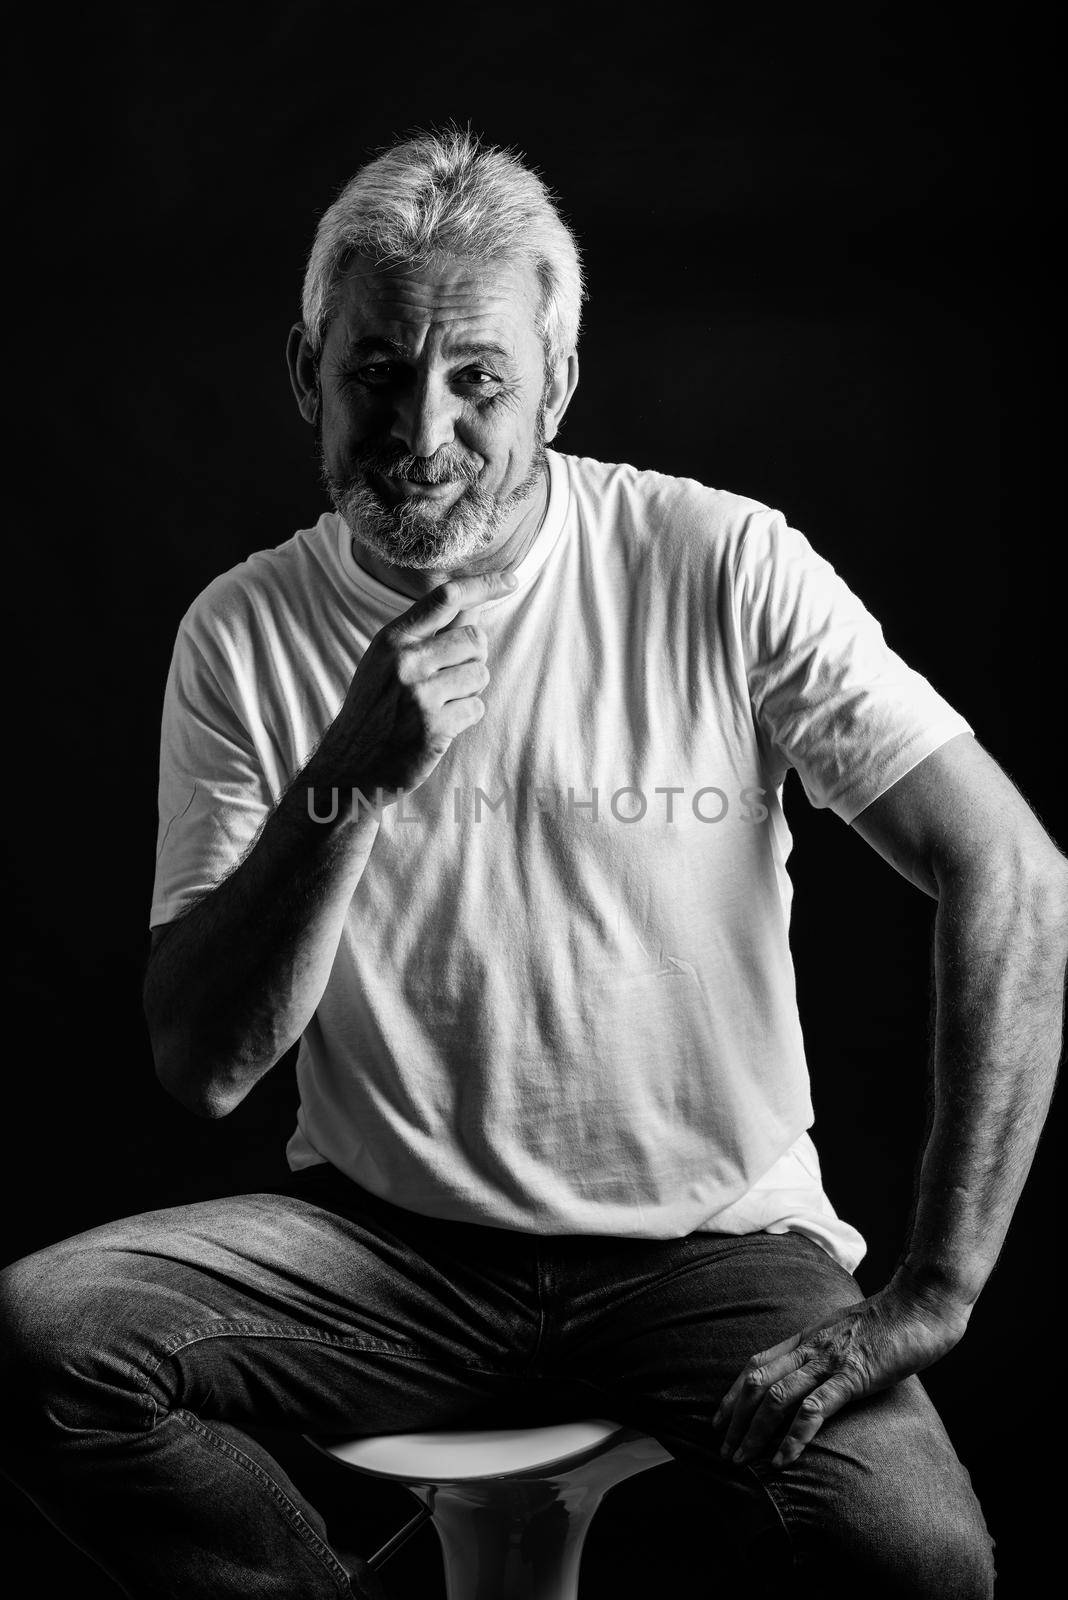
839, 706
213, 797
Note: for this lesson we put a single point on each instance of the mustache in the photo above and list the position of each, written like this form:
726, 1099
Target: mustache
444, 466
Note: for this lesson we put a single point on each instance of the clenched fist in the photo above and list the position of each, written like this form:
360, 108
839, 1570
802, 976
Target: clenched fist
417, 687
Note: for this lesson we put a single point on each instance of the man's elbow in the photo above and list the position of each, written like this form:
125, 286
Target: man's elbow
1030, 882
1032, 869
1050, 890
187, 1075
1040, 874
201, 1099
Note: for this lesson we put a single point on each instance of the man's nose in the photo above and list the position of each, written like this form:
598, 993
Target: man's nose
424, 418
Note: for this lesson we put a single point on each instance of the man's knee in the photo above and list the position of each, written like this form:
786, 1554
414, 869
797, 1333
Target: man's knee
60, 1338
928, 1551
935, 1553
956, 1558
897, 1513
886, 1546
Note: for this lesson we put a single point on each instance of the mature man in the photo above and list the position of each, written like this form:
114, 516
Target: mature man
474, 788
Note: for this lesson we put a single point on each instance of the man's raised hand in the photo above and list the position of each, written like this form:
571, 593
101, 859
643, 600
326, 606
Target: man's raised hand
417, 687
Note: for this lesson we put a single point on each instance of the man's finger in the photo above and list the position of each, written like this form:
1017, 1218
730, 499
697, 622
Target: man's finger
453, 603
509, 580
772, 1418
749, 1388
811, 1414
450, 648
780, 1358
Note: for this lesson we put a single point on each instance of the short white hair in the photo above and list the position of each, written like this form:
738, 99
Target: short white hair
448, 195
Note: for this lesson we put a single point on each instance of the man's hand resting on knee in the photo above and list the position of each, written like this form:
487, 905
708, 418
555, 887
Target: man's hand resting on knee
783, 1396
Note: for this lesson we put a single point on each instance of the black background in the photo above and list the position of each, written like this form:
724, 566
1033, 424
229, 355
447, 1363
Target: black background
817, 248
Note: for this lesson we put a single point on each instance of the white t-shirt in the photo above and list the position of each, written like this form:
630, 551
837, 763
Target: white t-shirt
569, 1006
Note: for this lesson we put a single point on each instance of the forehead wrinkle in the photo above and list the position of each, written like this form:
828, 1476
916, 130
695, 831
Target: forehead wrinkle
401, 296
458, 279
399, 313
421, 318
452, 341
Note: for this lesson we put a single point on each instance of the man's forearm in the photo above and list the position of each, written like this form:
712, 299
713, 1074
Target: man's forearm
231, 985
1000, 943
959, 830
234, 982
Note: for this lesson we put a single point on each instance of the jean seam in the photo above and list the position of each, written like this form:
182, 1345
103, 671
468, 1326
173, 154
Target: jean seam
226, 1329
539, 1338
290, 1511
769, 1494
284, 1330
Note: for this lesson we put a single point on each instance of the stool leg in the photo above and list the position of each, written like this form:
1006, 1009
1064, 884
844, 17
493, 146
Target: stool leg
518, 1538
511, 1540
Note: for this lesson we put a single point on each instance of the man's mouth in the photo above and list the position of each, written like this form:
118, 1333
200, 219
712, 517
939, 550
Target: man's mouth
416, 489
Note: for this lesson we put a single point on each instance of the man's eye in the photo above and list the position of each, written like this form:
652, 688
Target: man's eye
477, 378
384, 374
377, 374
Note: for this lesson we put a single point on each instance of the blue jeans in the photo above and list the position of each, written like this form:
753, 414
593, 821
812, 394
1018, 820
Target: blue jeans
140, 1352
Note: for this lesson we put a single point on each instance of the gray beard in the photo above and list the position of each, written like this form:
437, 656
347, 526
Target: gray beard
406, 535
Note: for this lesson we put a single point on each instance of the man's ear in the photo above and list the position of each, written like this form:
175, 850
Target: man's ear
303, 373
558, 395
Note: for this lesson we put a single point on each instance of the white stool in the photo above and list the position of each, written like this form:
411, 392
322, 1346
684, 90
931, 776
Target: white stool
511, 1506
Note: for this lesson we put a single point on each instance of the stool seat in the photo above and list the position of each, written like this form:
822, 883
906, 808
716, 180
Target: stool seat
458, 1457
511, 1506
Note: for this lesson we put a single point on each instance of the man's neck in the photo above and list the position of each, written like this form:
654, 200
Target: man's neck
507, 550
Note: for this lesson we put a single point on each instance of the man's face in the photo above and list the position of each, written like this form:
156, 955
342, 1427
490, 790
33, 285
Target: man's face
432, 381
